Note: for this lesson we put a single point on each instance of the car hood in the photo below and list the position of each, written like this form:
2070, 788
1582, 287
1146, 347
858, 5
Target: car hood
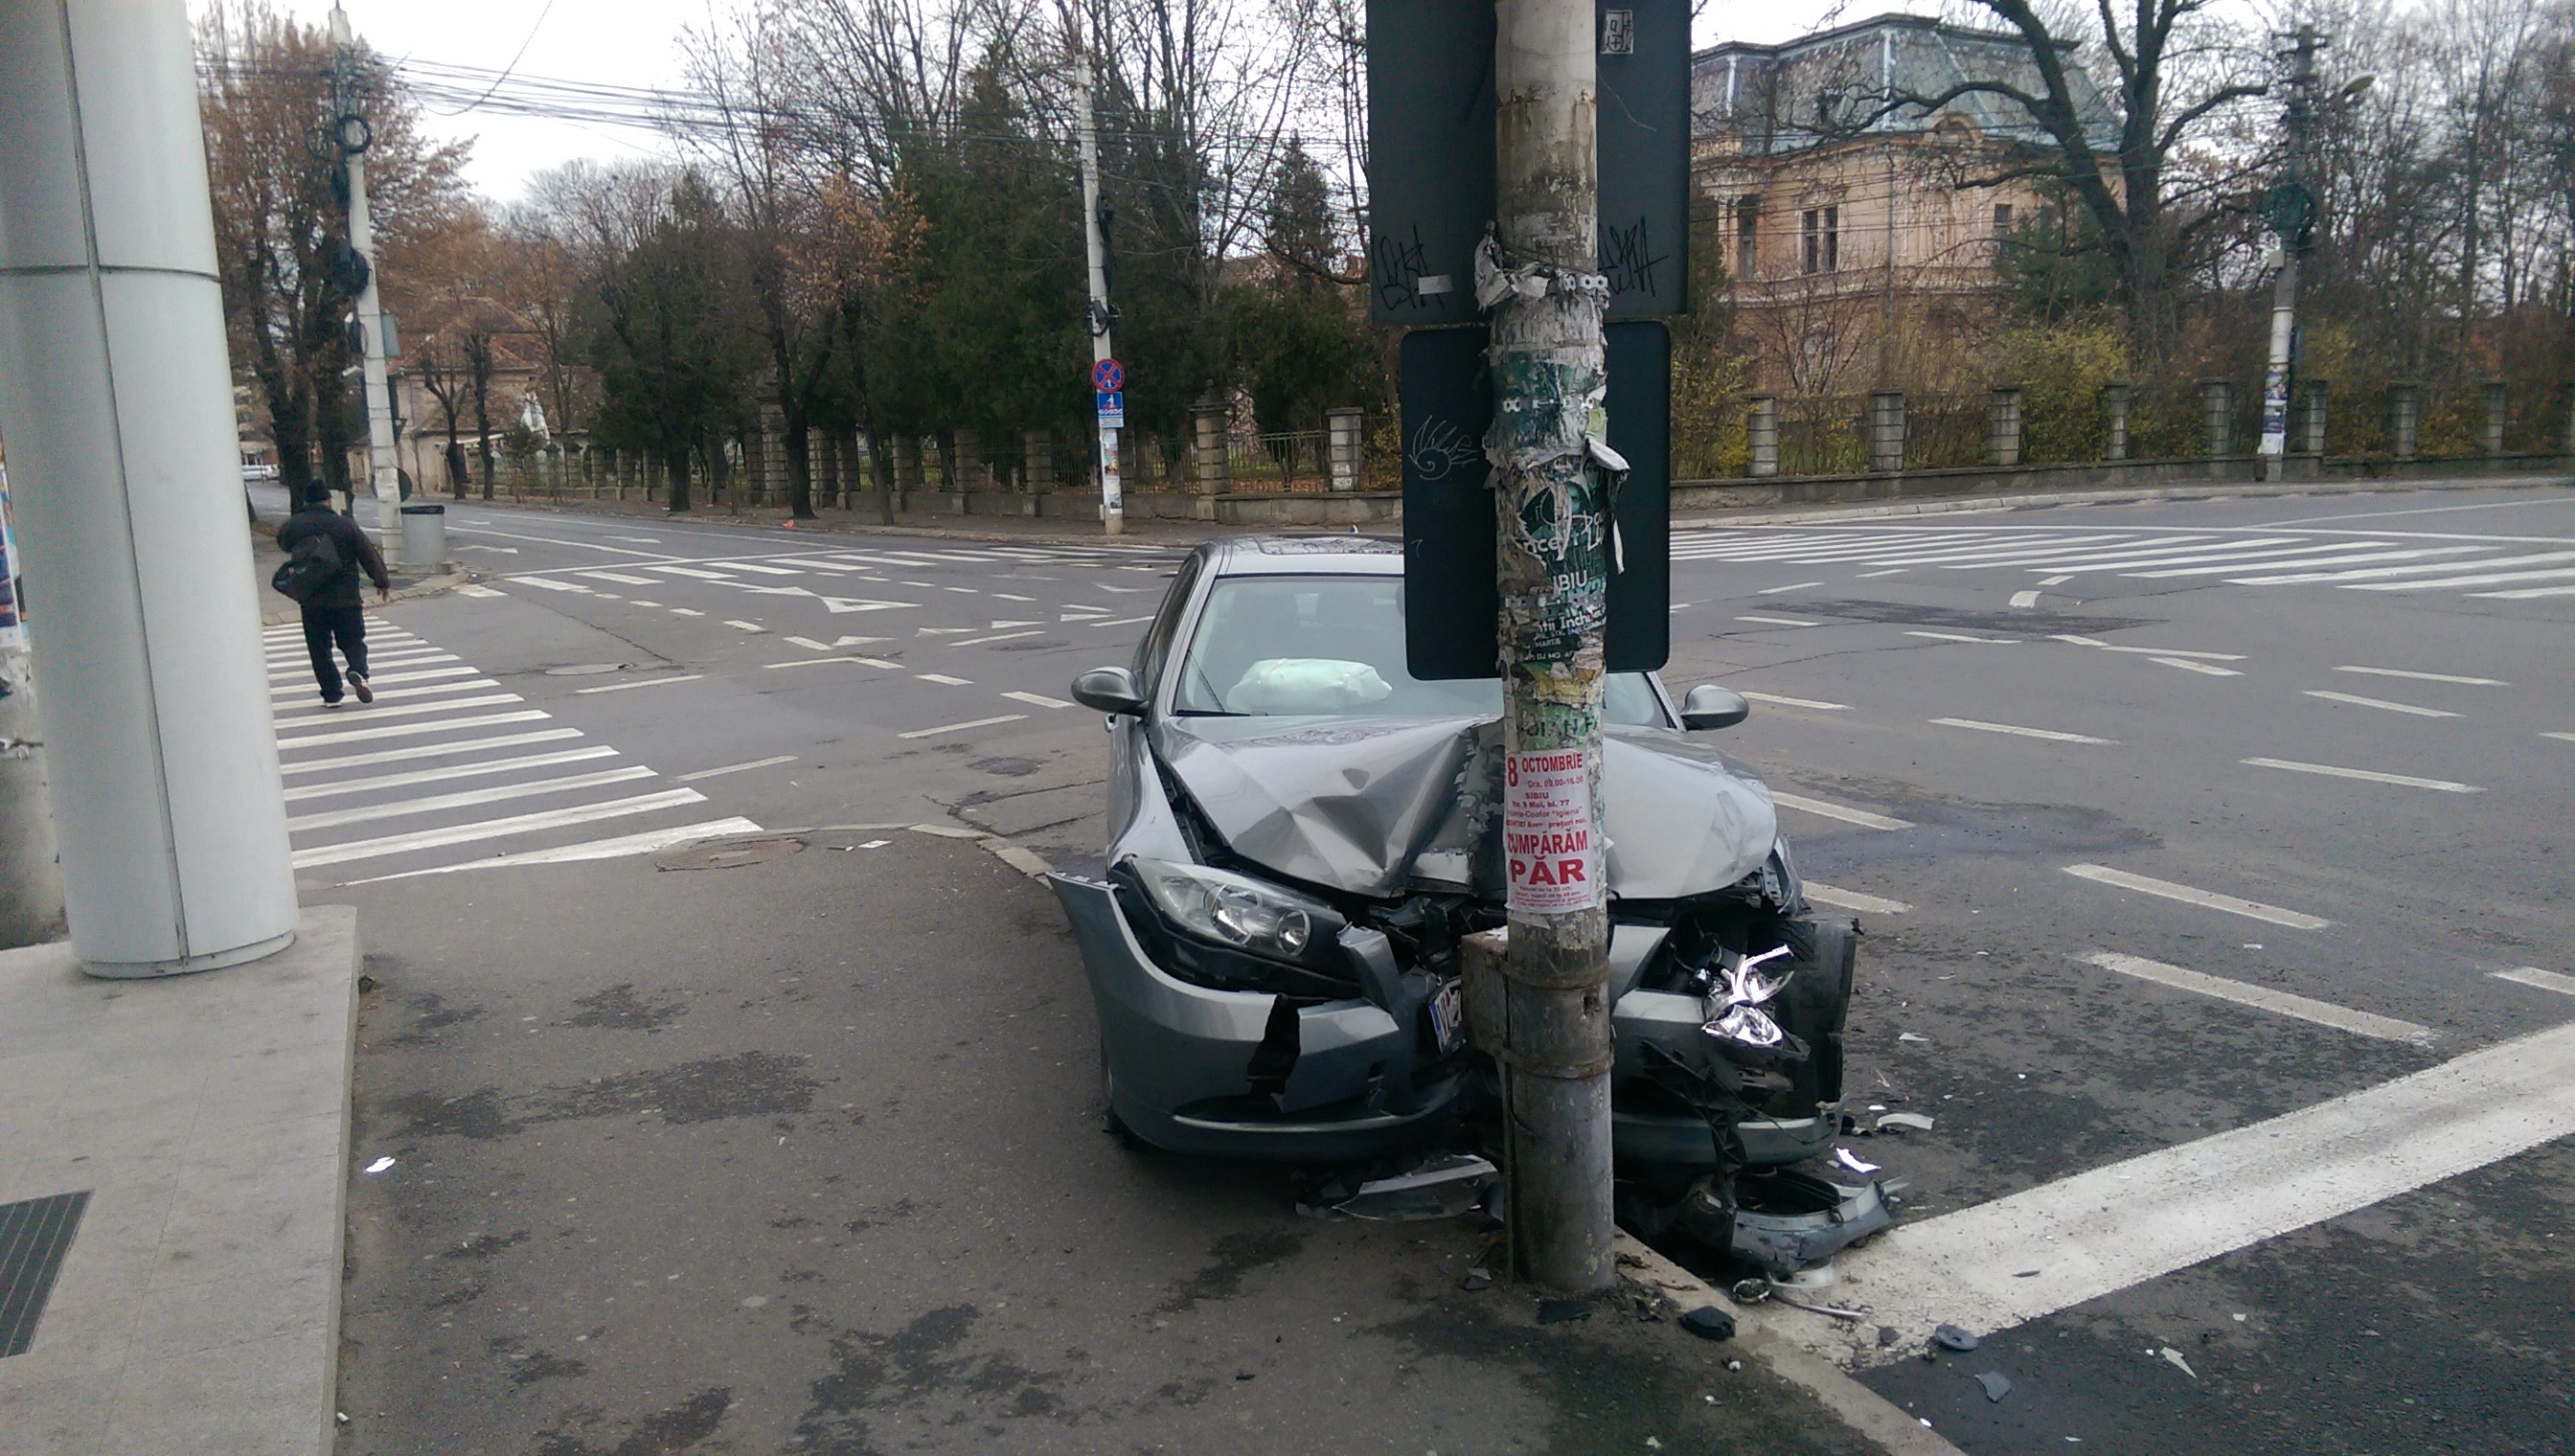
1380, 808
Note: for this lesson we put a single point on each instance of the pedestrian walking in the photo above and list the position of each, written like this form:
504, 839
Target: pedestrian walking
325, 552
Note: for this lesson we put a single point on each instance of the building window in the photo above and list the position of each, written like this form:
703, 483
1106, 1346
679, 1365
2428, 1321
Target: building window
1822, 240
2003, 222
1747, 235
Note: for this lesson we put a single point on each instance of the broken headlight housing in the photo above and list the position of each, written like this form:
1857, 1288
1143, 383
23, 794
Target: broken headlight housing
1235, 932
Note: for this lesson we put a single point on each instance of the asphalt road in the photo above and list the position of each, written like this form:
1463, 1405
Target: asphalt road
2165, 822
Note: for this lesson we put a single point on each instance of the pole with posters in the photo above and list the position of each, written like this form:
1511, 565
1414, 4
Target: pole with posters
353, 135
2291, 212
1100, 314
1537, 278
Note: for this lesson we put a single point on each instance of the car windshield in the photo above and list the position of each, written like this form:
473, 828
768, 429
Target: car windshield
1332, 647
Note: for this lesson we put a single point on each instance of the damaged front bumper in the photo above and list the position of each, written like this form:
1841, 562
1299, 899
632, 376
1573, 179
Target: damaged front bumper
1181, 1061
1178, 1056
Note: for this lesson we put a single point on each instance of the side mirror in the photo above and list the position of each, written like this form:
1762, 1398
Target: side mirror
1113, 691
1712, 707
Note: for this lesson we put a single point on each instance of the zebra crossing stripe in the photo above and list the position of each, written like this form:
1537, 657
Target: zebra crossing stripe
377, 848
466, 799
2379, 574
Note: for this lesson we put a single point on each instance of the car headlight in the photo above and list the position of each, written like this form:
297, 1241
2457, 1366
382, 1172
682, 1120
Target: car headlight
1779, 882
1240, 912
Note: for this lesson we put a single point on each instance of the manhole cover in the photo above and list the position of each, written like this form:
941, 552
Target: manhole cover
730, 854
585, 669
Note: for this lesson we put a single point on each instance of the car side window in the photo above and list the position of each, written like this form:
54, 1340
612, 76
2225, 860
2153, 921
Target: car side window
1156, 646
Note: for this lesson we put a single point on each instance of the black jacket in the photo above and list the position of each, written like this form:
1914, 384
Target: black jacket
354, 545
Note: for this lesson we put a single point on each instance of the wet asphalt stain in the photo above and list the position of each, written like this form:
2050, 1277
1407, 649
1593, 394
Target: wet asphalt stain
1005, 767
430, 1016
879, 1216
530, 1366
1040, 645
747, 1084
1946, 828
618, 1008
921, 1364
1907, 613
485, 1245
663, 1433
1230, 1260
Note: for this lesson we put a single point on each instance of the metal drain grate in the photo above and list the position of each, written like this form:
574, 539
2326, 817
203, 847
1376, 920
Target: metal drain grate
34, 1236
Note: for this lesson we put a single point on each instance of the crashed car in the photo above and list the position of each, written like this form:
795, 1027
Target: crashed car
1300, 831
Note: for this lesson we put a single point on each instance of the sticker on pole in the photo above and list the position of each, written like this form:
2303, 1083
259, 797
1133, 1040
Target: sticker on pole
1548, 838
1109, 376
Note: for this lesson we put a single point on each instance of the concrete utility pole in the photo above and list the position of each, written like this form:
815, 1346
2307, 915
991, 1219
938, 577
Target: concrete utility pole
1546, 303
1100, 317
353, 135
2293, 211
117, 401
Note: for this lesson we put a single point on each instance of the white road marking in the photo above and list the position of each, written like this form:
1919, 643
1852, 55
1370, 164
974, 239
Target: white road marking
840, 605
2375, 574
2305, 1009
2487, 578
856, 641
1959, 637
1843, 812
2057, 580
2027, 733
1773, 620
686, 611
1004, 625
644, 843
2566, 737
452, 772
817, 662
735, 768
2402, 781
809, 644
942, 678
2025, 599
767, 571
623, 579
2426, 677
1889, 571
1006, 596
2546, 980
549, 541
2527, 593
2209, 669
466, 798
639, 602
418, 752
2087, 641
2380, 702
642, 683
1036, 699
741, 625
2122, 1224
492, 829
384, 693
550, 584
702, 576
1851, 899
2365, 558
313, 712
2187, 894
381, 680
1791, 587
645, 539
1785, 701
976, 642
959, 728
1117, 620
477, 589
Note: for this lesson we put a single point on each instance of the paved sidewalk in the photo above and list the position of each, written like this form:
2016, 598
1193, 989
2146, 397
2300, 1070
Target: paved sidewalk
207, 1120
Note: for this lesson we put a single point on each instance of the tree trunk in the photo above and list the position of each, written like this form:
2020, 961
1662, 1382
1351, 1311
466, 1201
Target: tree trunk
880, 467
800, 466
674, 469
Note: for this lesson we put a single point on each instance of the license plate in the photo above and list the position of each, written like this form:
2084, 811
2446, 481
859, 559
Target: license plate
1447, 1016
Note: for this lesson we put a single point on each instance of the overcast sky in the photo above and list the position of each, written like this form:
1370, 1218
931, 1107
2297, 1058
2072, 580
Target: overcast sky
634, 43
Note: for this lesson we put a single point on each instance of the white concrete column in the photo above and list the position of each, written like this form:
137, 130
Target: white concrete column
145, 624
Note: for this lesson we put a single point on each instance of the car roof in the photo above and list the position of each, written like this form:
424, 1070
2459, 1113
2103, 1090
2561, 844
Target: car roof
1273, 555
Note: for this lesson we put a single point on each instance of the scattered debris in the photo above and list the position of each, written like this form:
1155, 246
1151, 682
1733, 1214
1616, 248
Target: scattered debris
1440, 1188
1950, 1337
1558, 1312
379, 1165
1476, 1281
1842, 1155
1786, 1220
1831, 1311
2026, 1274
1709, 1323
1996, 1384
2173, 1358
1887, 1335
2239, 1319
1890, 1121
1909, 1036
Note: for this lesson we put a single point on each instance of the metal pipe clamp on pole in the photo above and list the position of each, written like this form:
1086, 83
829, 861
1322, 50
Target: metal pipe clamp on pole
1537, 278
116, 398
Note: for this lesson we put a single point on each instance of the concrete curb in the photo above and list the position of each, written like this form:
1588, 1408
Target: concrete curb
1758, 1333
1952, 505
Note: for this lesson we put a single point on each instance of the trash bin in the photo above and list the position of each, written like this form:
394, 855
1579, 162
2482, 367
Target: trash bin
424, 537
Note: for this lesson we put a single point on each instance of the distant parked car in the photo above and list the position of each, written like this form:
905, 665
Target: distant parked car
255, 471
1300, 832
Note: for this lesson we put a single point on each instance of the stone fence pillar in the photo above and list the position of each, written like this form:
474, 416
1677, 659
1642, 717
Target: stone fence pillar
2217, 416
2498, 407
2404, 416
1886, 431
1761, 429
2566, 415
2311, 419
2002, 427
1344, 431
2114, 419
1207, 474
1036, 449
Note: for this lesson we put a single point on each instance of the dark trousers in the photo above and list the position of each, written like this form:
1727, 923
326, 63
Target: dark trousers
348, 625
